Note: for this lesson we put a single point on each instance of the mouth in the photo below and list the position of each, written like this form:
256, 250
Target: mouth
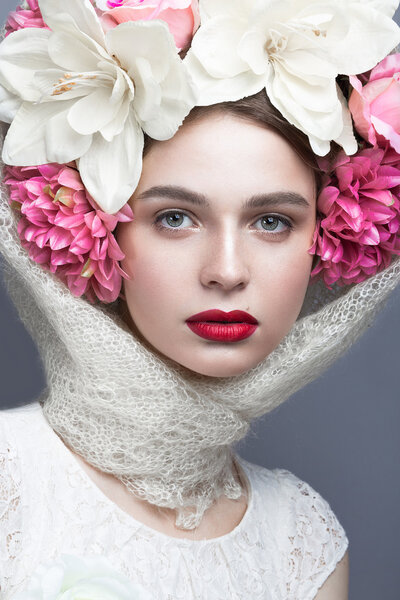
220, 326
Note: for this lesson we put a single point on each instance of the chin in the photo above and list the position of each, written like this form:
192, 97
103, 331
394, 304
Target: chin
226, 368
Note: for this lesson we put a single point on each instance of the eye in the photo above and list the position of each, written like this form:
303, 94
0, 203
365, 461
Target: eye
274, 224
173, 219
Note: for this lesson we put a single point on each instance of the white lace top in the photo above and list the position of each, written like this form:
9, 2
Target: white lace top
285, 547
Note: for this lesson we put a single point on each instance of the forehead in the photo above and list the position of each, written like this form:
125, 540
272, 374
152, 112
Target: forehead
223, 155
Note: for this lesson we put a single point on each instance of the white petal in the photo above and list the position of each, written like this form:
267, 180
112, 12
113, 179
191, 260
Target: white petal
210, 90
58, 14
92, 112
323, 125
319, 147
148, 91
63, 143
123, 86
387, 7
216, 46
225, 8
111, 170
116, 126
75, 52
319, 97
251, 49
147, 39
347, 138
310, 66
40, 134
371, 36
176, 100
21, 54
9, 105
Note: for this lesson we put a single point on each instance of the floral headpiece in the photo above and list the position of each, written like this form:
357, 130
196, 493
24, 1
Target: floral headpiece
82, 81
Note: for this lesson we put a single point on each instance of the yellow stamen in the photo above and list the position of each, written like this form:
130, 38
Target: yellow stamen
47, 190
63, 88
87, 270
65, 195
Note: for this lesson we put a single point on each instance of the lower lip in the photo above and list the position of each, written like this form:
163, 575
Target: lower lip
222, 332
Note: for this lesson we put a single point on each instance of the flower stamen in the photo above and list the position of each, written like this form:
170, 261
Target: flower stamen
65, 84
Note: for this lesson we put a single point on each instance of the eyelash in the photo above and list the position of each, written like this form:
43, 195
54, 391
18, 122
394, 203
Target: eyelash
159, 226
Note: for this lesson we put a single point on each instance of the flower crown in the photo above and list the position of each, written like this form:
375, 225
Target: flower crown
82, 81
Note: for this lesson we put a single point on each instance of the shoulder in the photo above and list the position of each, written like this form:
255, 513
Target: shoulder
21, 425
21, 439
19, 429
13, 431
311, 539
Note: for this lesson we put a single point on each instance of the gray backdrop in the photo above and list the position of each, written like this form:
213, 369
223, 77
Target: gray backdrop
340, 434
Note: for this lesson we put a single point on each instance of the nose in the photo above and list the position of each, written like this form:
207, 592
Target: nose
225, 264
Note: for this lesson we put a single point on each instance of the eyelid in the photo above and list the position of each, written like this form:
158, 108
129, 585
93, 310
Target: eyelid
157, 222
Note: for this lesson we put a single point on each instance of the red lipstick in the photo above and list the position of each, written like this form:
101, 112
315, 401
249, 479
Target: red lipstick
221, 326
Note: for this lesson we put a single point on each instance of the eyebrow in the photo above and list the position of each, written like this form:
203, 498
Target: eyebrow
267, 200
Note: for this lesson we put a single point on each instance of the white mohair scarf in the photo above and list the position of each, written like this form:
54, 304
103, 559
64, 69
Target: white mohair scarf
164, 431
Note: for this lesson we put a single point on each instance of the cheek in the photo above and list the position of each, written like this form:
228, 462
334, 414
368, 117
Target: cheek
285, 291
158, 277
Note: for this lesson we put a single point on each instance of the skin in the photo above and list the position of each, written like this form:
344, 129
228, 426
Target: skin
222, 256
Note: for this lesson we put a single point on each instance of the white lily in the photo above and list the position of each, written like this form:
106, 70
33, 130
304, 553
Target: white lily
294, 49
88, 96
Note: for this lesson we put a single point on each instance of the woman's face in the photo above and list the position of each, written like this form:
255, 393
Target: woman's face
223, 217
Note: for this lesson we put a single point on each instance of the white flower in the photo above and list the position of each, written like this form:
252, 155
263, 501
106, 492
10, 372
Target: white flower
87, 96
294, 49
74, 578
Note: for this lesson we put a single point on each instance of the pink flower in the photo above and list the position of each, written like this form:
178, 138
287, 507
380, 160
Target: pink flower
63, 230
25, 17
181, 16
359, 228
375, 106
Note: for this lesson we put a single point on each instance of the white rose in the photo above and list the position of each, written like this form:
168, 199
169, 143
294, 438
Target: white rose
76, 578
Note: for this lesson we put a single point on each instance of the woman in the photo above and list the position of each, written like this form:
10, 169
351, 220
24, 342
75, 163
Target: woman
131, 445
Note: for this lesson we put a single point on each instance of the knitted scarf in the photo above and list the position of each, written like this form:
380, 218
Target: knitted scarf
163, 430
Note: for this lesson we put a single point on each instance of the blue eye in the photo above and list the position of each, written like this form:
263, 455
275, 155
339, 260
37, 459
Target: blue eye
173, 219
275, 224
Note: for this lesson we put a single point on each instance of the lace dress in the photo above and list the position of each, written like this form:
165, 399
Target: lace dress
284, 548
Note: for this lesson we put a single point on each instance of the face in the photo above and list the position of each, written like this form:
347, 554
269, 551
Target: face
224, 215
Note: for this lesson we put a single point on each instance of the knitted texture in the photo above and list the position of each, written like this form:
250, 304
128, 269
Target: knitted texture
163, 430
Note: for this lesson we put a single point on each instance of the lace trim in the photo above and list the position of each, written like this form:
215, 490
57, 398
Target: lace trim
10, 510
318, 541
285, 551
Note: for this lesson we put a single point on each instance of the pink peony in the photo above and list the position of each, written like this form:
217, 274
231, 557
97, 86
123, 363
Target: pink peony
375, 106
25, 17
63, 230
181, 16
359, 228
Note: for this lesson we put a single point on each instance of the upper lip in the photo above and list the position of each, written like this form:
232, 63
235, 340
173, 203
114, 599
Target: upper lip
238, 316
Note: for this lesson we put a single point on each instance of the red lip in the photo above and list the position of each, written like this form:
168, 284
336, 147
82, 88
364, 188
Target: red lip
234, 316
220, 326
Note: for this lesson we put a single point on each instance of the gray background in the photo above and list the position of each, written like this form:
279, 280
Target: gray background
340, 434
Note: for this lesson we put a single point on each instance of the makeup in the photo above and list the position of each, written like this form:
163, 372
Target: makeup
220, 326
